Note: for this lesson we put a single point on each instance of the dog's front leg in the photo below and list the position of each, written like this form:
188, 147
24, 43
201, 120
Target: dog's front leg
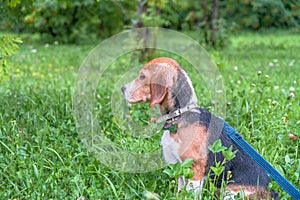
194, 146
196, 183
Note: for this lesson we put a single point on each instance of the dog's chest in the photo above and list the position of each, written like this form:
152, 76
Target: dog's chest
170, 148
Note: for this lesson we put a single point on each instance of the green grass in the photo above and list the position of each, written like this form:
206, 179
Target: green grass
42, 156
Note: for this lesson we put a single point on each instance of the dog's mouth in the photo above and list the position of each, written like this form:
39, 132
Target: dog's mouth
144, 100
135, 96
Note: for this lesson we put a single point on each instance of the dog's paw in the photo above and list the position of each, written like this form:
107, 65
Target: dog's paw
195, 186
151, 196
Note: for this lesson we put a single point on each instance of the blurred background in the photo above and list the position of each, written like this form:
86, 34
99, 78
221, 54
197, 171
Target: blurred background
77, 21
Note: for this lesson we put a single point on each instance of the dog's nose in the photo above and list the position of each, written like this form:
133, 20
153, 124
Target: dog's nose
123, 89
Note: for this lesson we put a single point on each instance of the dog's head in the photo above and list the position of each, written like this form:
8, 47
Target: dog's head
161, 81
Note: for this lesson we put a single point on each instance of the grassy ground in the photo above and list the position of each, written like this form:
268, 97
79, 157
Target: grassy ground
42, 156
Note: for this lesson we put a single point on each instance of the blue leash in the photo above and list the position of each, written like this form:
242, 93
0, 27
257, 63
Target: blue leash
273, 173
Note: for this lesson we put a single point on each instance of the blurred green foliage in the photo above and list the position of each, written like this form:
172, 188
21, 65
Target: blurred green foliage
256, 14
66, 21
73, 21
8, 46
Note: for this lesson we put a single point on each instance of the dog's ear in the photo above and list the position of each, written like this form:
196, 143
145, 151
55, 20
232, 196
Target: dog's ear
158, 92
160, 83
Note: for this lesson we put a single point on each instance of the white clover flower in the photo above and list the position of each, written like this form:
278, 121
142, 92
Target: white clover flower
259, 72
292, 95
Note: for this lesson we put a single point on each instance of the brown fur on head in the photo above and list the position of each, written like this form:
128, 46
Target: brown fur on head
154, 83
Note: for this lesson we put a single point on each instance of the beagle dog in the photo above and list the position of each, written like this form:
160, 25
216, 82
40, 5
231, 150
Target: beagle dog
190, 129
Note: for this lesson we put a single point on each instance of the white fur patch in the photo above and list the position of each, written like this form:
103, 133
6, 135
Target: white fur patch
196, 186
170, 148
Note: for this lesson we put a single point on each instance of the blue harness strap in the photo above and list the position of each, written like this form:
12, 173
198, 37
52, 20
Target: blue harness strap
271, 171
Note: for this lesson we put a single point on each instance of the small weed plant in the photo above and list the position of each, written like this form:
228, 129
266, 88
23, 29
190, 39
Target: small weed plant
182, 169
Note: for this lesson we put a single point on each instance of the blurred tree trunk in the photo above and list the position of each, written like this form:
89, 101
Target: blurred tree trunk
205, 20
141, 9
144, 36
214, 19
210, 22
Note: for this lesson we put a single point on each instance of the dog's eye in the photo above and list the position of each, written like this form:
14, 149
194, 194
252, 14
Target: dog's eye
142, 77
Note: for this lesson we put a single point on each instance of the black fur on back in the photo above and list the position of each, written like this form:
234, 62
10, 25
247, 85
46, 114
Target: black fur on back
243, 169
